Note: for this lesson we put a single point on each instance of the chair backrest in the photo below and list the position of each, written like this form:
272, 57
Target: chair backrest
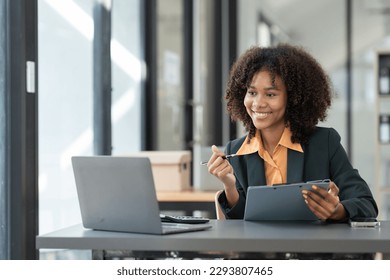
219, 212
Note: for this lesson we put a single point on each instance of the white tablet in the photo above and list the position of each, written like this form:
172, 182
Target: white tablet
280, 202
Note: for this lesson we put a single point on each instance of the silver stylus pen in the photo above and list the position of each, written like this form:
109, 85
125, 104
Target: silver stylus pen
224, 157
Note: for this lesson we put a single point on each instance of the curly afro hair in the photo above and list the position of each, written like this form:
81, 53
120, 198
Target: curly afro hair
309, 92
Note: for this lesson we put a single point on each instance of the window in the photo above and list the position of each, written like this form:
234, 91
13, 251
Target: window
66, 91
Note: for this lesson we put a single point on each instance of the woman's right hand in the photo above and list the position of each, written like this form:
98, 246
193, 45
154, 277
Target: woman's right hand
221, 169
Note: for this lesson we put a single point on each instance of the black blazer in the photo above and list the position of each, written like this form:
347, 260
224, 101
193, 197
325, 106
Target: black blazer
323, 158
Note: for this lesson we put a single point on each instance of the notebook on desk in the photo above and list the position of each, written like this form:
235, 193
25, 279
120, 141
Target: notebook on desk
118, 194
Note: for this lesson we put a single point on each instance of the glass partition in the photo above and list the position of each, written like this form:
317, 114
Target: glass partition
65, 97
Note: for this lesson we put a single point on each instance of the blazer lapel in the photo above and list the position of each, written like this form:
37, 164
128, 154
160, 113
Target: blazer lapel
255, 169
295, 162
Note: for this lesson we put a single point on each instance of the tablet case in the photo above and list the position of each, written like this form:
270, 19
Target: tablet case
280, 202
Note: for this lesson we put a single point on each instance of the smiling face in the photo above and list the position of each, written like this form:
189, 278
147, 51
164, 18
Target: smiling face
266, 102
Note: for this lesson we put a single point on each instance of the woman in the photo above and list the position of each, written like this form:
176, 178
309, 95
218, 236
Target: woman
280, 94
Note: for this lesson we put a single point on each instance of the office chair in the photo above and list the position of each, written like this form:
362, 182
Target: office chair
218, 211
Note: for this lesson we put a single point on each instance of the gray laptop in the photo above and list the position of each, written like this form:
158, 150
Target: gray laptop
280, 203
118, 194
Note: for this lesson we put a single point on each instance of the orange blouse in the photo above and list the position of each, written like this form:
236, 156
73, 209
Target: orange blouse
275, 166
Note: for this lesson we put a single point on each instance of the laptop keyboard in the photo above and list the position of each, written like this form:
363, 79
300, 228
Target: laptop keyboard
183, 219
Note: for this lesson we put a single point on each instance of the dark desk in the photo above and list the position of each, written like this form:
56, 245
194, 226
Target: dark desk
187, 201
229, 236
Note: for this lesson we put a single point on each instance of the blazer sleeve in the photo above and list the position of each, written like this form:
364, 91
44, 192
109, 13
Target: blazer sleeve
355, 194
237, 211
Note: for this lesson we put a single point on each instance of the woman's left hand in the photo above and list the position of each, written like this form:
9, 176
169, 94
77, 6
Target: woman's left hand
325, 204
